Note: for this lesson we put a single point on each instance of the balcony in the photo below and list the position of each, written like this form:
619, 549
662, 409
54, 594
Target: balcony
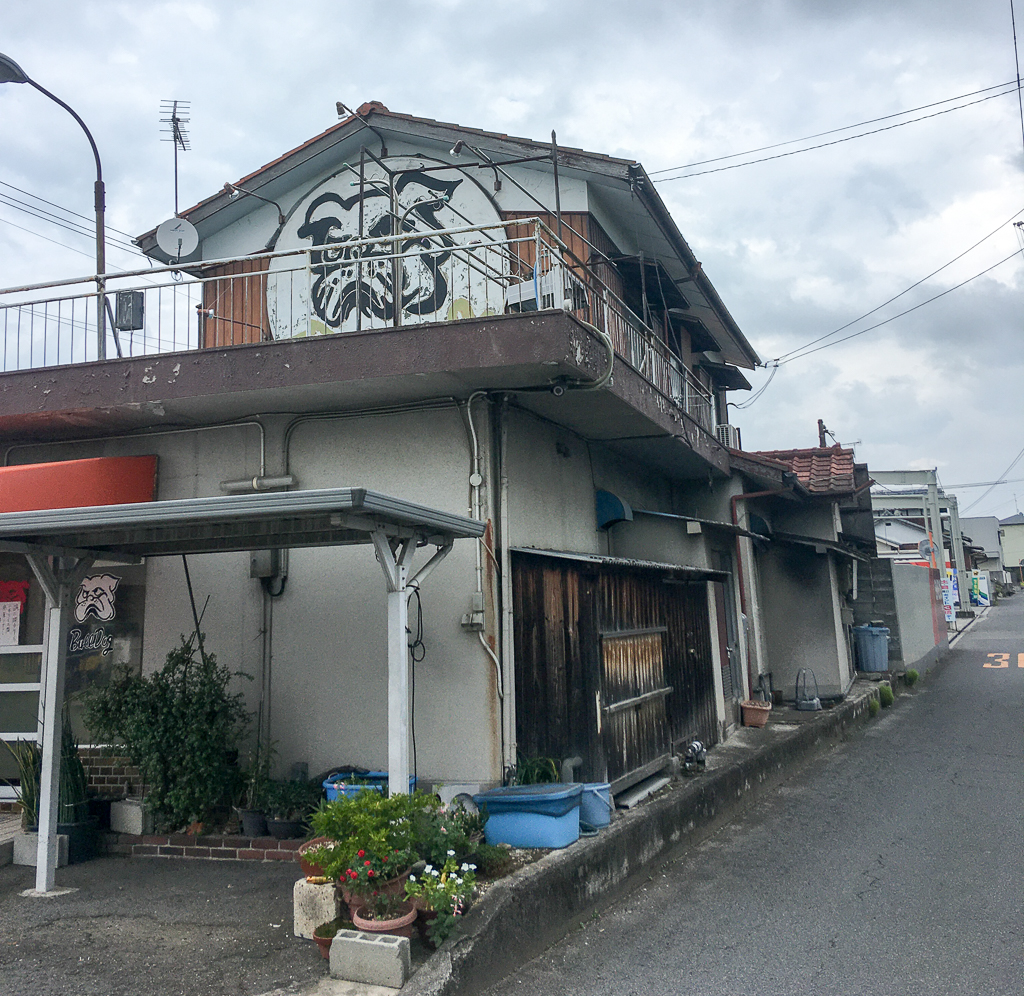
449, 275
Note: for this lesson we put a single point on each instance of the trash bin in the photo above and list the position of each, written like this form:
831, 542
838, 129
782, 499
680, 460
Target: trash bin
871, 648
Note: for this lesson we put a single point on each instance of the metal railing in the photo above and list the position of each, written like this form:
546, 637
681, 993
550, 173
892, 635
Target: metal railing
345, 286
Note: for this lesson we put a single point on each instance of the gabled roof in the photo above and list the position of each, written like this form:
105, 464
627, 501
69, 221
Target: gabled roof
307, 159
827, 471
1013, 520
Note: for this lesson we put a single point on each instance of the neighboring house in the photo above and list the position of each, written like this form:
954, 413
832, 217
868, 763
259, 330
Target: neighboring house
984, 533
811, 514
567, 389
1012, 542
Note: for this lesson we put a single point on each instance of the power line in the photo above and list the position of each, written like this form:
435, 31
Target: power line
1013, 463
54, 219
871, 328
59, 207
824, 145
1016, 60
896, 297
833, 131
982, 484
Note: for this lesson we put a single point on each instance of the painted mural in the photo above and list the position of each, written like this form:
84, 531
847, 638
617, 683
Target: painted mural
437, 277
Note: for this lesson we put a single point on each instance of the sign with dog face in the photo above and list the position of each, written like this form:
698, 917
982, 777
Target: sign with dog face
106, 629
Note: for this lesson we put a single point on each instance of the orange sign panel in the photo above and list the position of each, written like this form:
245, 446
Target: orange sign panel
77, 483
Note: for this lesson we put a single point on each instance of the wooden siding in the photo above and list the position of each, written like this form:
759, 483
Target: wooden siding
588, 636
238, 304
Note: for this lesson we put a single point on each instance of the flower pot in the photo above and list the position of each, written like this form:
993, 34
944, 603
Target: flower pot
423, 922
392, 887
401, 925
254, 822
309, 869
755, 713
284, 829
83, 840
324, 944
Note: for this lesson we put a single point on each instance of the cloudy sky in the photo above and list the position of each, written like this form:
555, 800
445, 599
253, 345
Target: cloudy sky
797, 246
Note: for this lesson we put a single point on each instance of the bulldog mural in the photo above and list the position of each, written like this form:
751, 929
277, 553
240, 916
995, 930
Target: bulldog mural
438, 276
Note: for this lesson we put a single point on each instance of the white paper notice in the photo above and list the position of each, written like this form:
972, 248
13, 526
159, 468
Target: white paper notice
10, 621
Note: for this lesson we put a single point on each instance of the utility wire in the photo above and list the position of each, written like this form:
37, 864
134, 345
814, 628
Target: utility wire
823, 145
1013, 464
84, 217
871, 328
982, 484
72, 226
764, 387
1016, 60
896, 297
833, 131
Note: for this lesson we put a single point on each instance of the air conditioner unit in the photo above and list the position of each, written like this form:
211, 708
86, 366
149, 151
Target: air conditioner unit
729, 435
543, 292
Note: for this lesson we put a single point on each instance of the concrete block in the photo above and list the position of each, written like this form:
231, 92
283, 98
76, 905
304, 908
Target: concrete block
130, 816
312, 906
6, 852
376, 959
26, 849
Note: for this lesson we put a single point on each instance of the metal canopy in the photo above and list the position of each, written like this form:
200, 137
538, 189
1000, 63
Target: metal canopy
679, 571
328, 517
77, 537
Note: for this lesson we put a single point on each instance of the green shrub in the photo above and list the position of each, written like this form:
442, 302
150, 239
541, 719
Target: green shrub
873, 708
911, 678
885, 696
181, 727
492, 861
535, 771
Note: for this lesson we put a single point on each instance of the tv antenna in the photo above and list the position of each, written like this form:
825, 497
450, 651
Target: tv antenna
178, 134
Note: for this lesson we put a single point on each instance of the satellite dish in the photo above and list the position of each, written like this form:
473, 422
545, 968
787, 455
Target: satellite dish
177, 237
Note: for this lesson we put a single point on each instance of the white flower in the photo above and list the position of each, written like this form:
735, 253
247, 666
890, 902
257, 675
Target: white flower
464, 867
458, 881
451, 854
412, 878
472, 867
429, 869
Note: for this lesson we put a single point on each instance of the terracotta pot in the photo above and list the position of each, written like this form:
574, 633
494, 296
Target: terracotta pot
426, 918
324, 944
392, 887
401, 925
755, 713
308, 868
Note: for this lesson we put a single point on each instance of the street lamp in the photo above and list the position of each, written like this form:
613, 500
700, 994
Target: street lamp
11, 72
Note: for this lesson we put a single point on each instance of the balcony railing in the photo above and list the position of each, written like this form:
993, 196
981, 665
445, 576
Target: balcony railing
346, 286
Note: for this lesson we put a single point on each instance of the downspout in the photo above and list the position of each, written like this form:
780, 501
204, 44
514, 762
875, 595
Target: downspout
508, 715
739, 560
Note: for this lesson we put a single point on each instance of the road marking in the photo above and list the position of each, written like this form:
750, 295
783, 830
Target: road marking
1020, 660
1002, 660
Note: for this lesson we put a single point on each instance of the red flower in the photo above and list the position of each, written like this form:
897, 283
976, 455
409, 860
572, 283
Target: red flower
385, 858
370, 873
362, 854
367, 864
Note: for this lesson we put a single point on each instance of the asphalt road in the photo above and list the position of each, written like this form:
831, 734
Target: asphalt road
892, 866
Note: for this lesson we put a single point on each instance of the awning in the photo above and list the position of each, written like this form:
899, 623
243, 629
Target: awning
77, 537
679, 571
820, 545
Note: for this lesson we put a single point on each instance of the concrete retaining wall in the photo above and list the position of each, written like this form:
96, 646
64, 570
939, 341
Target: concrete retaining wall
520, 917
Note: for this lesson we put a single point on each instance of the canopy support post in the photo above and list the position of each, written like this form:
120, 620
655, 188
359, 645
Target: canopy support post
58, 585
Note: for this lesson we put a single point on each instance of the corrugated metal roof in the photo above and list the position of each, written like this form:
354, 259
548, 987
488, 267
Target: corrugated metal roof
820, 471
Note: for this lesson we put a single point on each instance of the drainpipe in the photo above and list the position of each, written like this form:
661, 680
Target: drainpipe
508, 716
739, 559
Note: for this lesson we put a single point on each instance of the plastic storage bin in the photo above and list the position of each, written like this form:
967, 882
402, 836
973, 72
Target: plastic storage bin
871, 645
532, 815
341, 783
596, 804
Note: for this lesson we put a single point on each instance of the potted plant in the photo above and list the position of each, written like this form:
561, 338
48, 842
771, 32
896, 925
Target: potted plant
29, 759
180, 727
443, 896
288, 807
252, 804
73, 799
385, 913
324, 934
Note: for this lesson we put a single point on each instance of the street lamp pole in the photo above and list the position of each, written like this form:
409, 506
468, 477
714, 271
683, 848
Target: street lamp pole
11, 72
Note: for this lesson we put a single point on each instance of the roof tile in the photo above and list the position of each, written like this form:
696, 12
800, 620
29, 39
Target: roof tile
820, 471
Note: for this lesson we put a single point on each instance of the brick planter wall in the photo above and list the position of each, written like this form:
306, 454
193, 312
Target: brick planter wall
215, 848
109, 776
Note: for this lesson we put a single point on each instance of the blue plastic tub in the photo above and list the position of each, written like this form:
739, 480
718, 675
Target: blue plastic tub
596, 804
871, 644
349, 785
532, 815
